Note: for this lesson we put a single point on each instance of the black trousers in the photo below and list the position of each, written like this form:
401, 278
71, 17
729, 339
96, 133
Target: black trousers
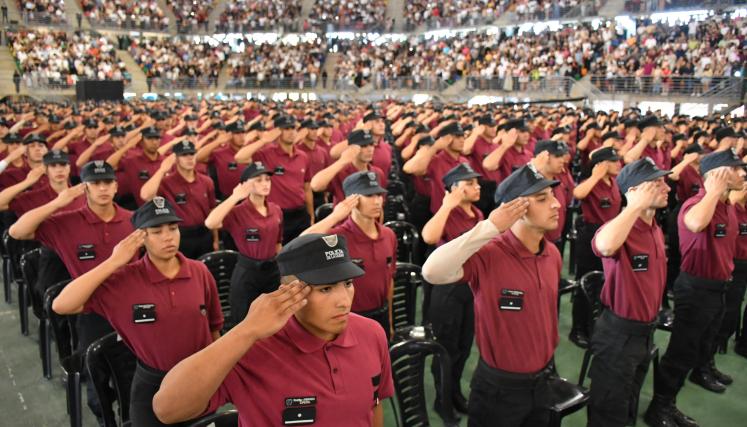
381, 315
420, 213
452, 316
621, 350
295, 221
733, 304
195, 241
698, 310
90, 327
586, 261
145, 384
504, 399
250, 279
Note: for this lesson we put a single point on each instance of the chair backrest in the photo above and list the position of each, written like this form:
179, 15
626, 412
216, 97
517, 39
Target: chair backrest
15, 249
221, 264
407, 239
396, 187
591, 285
407, 278
63, 327
111, 356
408, 371
222, 419
30, 266
323, 211
3, 247
396, 209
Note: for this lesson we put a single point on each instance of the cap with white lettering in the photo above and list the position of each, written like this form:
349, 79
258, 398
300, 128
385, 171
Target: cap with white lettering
318, 259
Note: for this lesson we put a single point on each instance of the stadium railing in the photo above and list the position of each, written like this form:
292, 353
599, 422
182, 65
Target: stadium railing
38, 83
245, 27
559, 85
127, 24
43, 18
290, 83
642, 6
726, 87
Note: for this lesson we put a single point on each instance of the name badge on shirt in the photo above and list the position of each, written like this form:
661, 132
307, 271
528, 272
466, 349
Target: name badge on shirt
511, 300
279, 170
181, 198
232, 166
720, 230
299, 411
743, 229
143, 175
639, 262
375, 381
359, 262
144, 313
86, 251
605, 203
252, 235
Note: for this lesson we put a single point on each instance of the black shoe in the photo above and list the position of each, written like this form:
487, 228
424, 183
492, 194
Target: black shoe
681, 419
707, 381
448, 418
460, 403
658, 415
718, 375
579, 338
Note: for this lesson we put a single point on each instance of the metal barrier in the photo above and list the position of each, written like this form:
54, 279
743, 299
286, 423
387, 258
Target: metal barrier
302, 83
704, 86
181, 83
43, 18
128, 24
559, 85
428, 84
642, 6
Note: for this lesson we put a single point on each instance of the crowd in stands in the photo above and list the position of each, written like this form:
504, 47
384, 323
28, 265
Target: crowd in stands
348, 15
127, 14
247, 15
274, 65
54, 59
50, 12
191, 15
451, 12
179, 62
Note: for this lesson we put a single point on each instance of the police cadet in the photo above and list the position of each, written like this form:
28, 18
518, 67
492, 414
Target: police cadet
513, 151
35, 148
635, 265
164, 305
318, 154
256, 226
221, 157
138, 168
708, 231
550, 159
292, 174
513, 272
480, 143
82, 238
192, 194
300, 357
373, 123
373, 247
600, 202
451, 308
358, 157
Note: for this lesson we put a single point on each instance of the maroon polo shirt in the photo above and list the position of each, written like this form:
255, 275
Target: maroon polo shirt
77, 148
741, 247
187, 310
335, 186
709, 254
440, 164
459, 222
13, 175
136, 171
81, 238
318, 157
603, 203
514, 158
346, 377
657, 155
422, 185
227, 170
504, 276
382, 157
291, 173
689, 184
377, 257
32, 199
480, 151
256, 236
192, 201
635, 275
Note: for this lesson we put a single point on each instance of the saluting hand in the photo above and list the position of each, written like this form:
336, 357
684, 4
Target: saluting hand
600, 170
242, 190
168, 162
453, 198
350, 153
271, 135
69, 194
127, 248
717, 181
504, 216
345, 207
270, 312
34, 174
642, 197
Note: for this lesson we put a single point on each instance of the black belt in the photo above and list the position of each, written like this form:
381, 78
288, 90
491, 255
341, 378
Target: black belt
375, 313
193, 230
499, 377
630, 327
246, 262
706, 284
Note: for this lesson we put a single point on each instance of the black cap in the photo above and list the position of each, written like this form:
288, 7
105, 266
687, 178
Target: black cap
451, 129
54, 118
151, 132
460, 172
90, 123
610, 135
284, 122
372, 116
720, 159
70, 124
649, 121
309, 124
97, 170
360, 137
524, 181
561, 129
678, 136
556, 148
12, 138
56, 157
117, 131
318, 259
630, 123
154, 213
693, 148
236, 127
184, 148
191, 118
486, 120
604, 154
323, 124
365, 183
34, 137
425, 140
258, 125
725, 132
189, 132
253, 170
638, 172
517, 124
108, 120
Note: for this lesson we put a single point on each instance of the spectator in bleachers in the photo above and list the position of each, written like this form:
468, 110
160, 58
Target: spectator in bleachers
278, 65
348, 14
191, 14
247, 15
145, 15
51, 12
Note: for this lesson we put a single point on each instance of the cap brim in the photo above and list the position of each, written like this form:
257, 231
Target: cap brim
331, 274
186, 153
370, 191
466, 177
656, 175
155, 222
100, 177
539, 186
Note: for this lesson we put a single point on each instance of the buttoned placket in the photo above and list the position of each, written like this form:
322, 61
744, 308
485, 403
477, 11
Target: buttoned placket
335, 372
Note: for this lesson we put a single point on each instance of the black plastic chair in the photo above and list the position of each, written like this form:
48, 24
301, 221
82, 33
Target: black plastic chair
395, 187
407, 239
223, 419
71, 361
6, 268
221, 264
323, 211
408, 356
566, 398
407, 278
30, 273
396, 208
12, 266
109, 354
